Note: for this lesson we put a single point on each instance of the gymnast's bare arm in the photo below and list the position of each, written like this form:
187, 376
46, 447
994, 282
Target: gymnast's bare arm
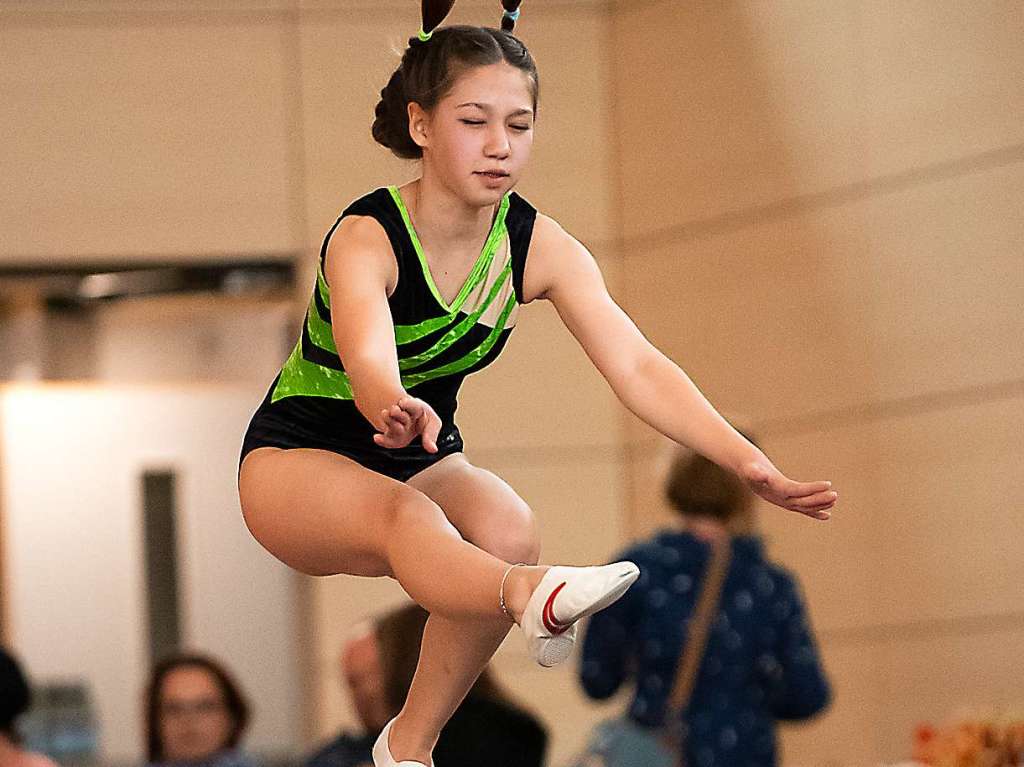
561, 270
361, 271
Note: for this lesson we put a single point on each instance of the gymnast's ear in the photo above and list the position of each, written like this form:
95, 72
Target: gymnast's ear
419, 124
434, 12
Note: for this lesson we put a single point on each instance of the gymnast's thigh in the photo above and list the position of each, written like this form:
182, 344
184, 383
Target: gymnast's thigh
319, 512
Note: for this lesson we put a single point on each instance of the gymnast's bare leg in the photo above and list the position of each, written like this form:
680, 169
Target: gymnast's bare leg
488, 513
323, 514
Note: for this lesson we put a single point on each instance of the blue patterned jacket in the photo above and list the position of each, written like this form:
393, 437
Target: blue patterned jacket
760, 664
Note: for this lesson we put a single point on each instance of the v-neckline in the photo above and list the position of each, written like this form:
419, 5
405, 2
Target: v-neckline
482, 263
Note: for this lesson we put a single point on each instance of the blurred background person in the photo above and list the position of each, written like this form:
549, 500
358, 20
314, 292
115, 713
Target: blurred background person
363, 676
378, 664
195, 714
760, 663
15, 699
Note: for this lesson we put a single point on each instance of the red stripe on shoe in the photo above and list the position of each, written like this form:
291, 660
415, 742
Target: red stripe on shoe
548, 614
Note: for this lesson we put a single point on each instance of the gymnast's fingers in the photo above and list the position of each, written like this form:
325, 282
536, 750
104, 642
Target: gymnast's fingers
826, 498
431, 429
794, 489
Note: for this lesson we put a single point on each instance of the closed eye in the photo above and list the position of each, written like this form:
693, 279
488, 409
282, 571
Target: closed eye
472, 122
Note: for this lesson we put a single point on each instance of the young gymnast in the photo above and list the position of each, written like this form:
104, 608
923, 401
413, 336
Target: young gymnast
353, 462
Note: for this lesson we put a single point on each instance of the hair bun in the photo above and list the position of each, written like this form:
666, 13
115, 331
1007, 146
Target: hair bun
391, 122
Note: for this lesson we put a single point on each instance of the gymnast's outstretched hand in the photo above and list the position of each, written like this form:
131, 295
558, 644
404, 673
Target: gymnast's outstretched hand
811, 498
406, 419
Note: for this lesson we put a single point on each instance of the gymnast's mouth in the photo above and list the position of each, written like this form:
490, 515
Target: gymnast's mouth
491, 173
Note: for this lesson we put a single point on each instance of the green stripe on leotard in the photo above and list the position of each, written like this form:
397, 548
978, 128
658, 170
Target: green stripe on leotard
305, 377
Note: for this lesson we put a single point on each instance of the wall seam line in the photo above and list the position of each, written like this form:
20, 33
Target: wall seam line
927, 627
872, 412
834, 197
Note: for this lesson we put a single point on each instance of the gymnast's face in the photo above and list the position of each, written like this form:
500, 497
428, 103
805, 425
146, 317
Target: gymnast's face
477, 140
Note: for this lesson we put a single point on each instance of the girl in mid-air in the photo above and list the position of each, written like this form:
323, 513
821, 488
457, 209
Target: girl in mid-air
353, 462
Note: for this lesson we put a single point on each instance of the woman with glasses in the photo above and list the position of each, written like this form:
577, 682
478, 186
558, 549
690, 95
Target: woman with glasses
195, 714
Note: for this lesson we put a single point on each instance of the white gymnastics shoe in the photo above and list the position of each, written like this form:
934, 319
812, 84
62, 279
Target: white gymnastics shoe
565, 595
382, 754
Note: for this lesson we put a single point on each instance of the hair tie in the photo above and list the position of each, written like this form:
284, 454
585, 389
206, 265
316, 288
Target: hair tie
424, 36
509, 19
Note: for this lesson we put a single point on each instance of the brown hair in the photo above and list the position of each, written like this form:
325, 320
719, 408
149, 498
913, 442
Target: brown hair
238, 708
697, 487
399, 634
429, 70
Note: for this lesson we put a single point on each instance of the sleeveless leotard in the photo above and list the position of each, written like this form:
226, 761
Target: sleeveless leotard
310, 402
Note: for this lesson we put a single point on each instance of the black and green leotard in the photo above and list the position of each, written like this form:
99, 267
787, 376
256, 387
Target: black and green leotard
310, 403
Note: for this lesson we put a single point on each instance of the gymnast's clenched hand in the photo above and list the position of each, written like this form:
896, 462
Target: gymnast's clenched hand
811, 498
406, 419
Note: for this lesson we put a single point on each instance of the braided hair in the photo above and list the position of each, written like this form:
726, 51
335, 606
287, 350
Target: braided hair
434, 60
511, 15
435, 11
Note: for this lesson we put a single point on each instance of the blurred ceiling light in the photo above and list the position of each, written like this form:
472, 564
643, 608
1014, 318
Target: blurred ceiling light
129, 283
76, 287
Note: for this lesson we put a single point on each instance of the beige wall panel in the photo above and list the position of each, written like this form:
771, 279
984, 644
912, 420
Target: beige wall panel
570, 176
647, 467
346, 60
920, 530
144, 135
480, 12
36, 10
845, 734
943, 677
941, 81
708, 120
884, 687
191, 338
902, 295
348, 57
751, 103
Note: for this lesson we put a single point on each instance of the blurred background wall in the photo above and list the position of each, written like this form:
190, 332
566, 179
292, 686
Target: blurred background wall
815, 208
822, 223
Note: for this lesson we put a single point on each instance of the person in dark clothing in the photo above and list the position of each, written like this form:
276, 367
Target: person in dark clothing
378, 666
15, 698
363, 675
760, 664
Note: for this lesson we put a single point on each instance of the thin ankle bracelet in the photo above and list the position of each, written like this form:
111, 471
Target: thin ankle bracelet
501, 591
